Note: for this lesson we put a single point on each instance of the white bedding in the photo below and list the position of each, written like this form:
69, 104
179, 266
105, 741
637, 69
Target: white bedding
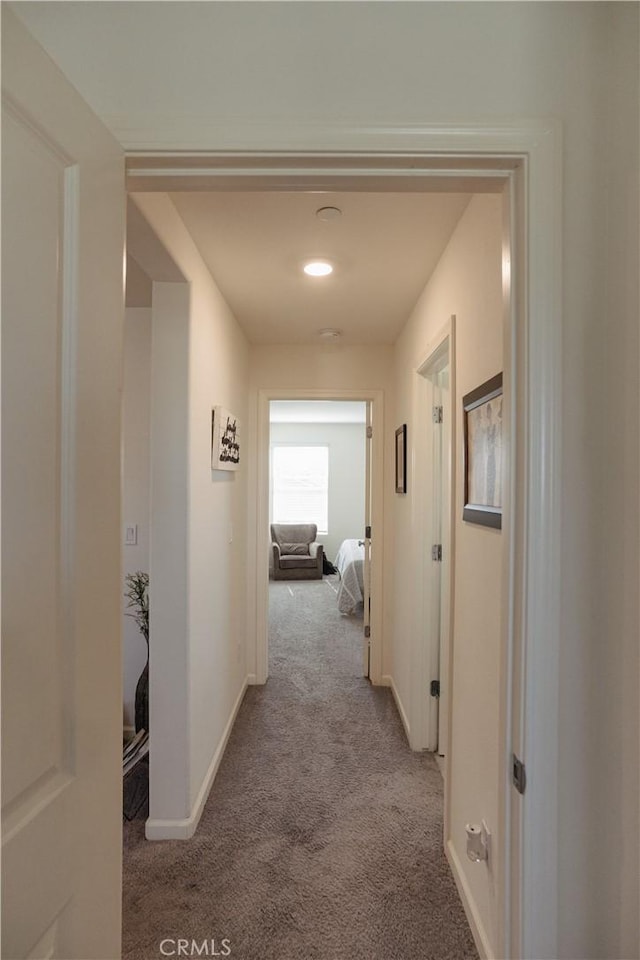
350, 564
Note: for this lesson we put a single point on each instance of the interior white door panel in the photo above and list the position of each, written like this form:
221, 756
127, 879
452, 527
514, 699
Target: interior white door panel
62, 306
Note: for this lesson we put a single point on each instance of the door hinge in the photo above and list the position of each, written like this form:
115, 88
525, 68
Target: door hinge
367, 632
438, 414
436, 551
518, 774
435, 688
367, 533
369, 433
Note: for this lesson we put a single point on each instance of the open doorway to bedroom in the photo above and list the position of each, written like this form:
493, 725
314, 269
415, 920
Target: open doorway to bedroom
319, 507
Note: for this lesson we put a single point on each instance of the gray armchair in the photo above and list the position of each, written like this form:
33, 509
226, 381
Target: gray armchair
296, 554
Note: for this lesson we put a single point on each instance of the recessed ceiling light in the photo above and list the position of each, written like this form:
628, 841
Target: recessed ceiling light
329, 333
318, 268
328, 213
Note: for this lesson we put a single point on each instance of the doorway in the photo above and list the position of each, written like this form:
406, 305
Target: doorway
435, 472
319, 474
155, 447
372, 402
524, 160
533, 364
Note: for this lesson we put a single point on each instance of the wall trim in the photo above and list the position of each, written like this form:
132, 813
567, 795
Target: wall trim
473, 916
185, 829
387, 681
180, 134
531, 150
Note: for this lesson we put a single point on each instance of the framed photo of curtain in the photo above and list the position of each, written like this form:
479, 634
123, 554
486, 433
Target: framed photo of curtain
483, 452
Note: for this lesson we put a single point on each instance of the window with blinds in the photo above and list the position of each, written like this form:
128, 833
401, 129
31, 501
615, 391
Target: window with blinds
300, 485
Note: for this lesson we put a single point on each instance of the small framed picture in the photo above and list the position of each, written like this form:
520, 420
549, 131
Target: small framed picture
225, 440
482, 411
401, 459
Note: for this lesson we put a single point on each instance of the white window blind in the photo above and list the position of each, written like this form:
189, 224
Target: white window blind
300, 485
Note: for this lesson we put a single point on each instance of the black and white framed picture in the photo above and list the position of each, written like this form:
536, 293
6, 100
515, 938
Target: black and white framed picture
225, 440
482, 412
401, 459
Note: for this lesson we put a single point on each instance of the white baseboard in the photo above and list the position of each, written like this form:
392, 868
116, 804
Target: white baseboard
388, 681
184, 829
252, 679
475, 921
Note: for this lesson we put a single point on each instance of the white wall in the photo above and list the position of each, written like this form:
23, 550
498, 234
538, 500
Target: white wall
169, 640
607, 679
203, 671
577, 62
467, 282
136, 398
138, 286
391, 64
346, 442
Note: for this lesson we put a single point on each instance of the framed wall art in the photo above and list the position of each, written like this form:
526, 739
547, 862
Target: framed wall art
483, 452
225, 440
401, 459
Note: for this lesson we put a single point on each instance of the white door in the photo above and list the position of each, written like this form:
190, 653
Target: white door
434, 546
442, 481
62, 305
366, 648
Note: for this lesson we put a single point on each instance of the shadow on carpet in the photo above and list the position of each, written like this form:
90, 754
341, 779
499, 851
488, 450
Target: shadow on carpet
322, 835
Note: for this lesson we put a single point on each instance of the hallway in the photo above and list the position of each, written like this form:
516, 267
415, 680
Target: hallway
322, 835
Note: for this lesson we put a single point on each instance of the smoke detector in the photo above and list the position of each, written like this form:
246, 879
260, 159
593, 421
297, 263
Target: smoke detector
329, 334
327, 214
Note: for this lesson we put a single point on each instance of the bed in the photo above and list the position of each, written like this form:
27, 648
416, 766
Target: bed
350, 565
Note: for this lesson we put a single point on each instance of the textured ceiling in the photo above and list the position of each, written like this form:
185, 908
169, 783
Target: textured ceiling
384, 247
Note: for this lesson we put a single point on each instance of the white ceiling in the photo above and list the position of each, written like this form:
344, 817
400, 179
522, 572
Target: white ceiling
162, 64
158, 65
317, 411
384, 248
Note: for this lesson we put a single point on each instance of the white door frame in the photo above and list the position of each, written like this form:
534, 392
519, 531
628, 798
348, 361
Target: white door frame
262, 531
528, 156
443, 343
368, 528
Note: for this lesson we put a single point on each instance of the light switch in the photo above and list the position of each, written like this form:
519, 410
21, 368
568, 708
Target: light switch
131, 535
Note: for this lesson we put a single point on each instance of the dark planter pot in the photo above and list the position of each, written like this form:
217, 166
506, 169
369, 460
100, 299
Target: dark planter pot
142, 700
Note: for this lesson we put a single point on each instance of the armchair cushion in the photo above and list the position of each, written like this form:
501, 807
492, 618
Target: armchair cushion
295, 549
298, 563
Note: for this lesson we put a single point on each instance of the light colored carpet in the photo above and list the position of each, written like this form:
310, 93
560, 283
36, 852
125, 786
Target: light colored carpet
322, 835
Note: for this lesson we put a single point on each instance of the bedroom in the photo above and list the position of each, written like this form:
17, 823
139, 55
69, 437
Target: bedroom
318, 475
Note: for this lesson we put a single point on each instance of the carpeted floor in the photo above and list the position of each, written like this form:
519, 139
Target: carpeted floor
322, 835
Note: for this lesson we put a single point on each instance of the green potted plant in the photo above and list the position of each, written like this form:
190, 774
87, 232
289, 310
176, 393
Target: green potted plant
137, 596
